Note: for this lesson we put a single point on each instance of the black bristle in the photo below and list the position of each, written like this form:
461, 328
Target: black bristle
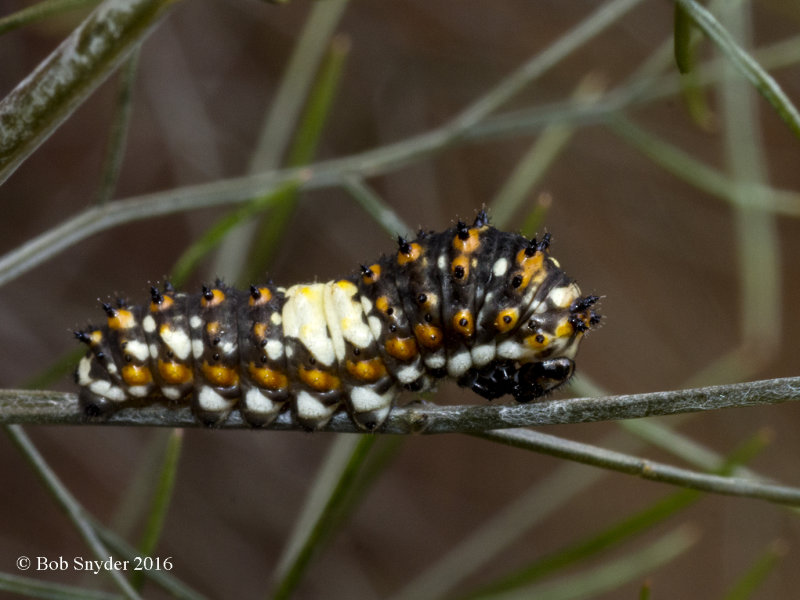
582, 304
481, 219
403, 245
155, 296
462, 231
545, 243
255, 293
207, 293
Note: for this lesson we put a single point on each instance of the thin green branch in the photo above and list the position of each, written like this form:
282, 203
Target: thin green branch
39, 12
701, 176
29, 587
550, 143
160, 502
44, 99
646, 469
631, 525
606, 15
314, 65
118, 135
68, 503
684, 50
745, 63
613, 574
749, 581
325, 506
375, 207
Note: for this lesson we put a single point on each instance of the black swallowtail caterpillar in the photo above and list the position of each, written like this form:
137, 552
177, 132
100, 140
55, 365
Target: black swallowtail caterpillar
488, 308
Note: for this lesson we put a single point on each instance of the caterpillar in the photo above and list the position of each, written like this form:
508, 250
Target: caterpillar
490, 309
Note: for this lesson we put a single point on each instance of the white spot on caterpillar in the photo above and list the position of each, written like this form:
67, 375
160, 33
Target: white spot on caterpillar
408, 374
211, 400
436, 361
257, 402
112, 368
154, 351
441, 262
274, 349
197, 348
195, 322
564, 296
139, 391
500, 267
228, 348
83, 371
149, 324
363, 399
458, 364
375, 326
275, 318
108, 391
514, 350
177, 341
137, 350
482, 355
304, 319
308, 407
350, 314
345, 317
366, 304
171, 392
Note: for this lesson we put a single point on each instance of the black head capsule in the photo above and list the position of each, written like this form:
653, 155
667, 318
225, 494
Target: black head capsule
155, 296
402, 245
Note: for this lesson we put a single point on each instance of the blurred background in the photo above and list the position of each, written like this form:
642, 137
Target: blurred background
699, 280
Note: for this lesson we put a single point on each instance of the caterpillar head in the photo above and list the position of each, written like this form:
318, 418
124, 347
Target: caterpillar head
538, 356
